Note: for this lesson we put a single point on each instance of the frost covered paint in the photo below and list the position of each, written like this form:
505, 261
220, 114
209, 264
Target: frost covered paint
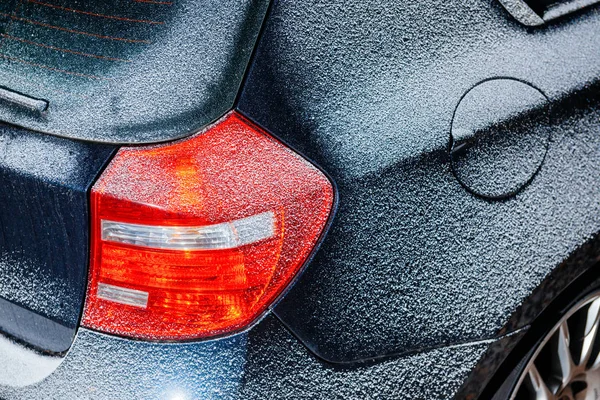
265, 363
44, 234
368, 91
417, 278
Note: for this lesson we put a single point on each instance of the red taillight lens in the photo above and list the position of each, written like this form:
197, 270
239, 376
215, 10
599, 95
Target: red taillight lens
198, 238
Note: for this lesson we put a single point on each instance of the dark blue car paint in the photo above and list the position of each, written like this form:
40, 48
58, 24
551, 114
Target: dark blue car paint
264, 363
44, 234
572, 278
368, 91
420, 286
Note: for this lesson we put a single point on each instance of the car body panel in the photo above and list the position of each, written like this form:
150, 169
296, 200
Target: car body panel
420, 287
499, 367
266, 362
368, 91
44, 234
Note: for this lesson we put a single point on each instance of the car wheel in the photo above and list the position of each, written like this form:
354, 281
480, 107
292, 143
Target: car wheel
565, 363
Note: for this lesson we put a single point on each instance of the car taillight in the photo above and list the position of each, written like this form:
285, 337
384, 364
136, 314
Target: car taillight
198, 238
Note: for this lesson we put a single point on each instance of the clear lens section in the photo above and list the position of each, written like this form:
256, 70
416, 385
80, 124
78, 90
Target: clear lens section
122, 295
227, 235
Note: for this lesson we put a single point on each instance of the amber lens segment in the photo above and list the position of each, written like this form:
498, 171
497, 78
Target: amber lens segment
198, 238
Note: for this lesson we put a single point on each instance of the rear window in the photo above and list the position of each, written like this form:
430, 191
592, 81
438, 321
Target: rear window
124, 70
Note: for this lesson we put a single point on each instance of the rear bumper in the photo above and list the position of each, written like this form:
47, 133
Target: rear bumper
266, 362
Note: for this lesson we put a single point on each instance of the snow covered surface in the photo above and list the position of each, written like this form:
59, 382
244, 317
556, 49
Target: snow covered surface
21, 366
264, 363
367, 90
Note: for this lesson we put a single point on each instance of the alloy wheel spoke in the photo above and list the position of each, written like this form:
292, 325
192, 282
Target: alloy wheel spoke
581, 395
564, 353
566, 363
542, 392
590, 331
596, 363
567, 394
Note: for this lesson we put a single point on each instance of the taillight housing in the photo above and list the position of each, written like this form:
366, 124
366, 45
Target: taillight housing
198, 238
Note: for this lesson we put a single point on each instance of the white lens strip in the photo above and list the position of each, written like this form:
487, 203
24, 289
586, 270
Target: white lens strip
227, 235
121, 295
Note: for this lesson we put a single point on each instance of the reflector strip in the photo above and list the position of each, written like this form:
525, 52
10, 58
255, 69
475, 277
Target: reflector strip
227, 235
121, 295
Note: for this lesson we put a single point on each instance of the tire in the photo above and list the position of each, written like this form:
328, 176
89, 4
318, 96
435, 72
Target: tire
564, 362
